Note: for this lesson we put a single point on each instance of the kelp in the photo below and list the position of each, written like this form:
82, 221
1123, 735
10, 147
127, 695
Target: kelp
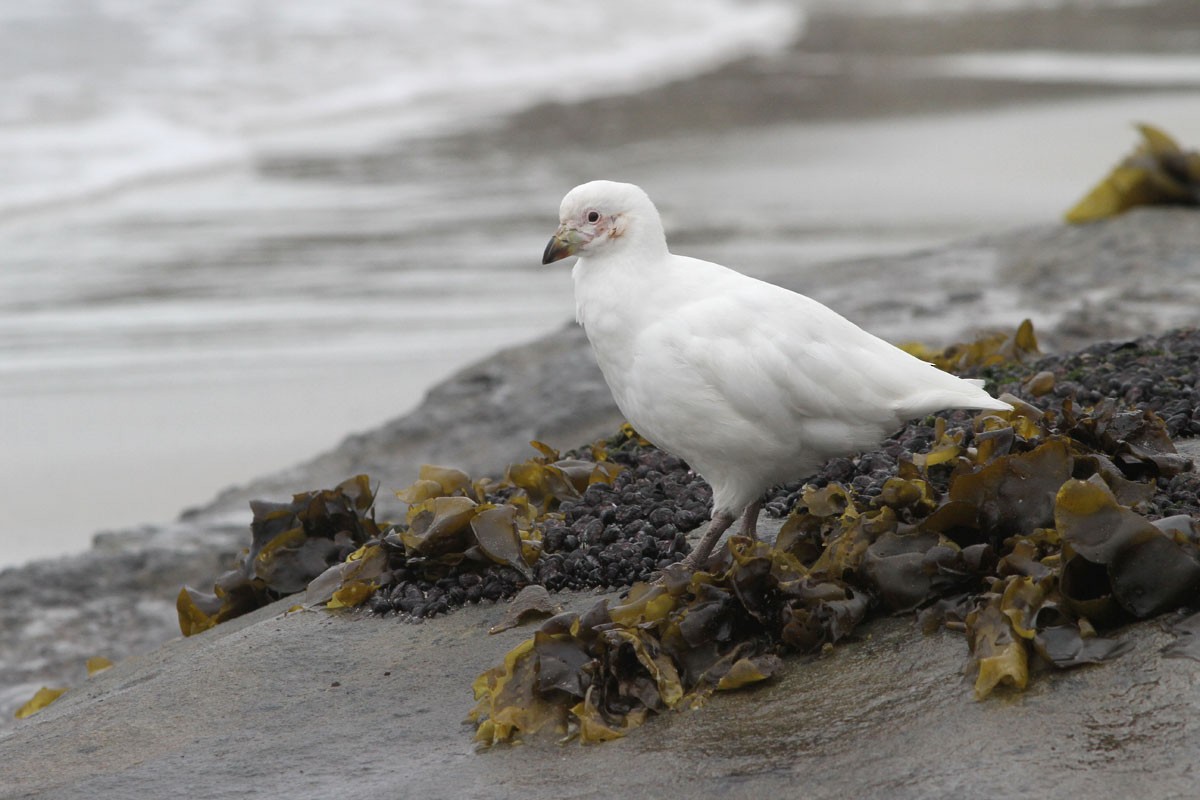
328, 544
97, 664
1158, 172
989, 349
1021, 531
532, 602
41, 698
291, 544
46, 695
594, 676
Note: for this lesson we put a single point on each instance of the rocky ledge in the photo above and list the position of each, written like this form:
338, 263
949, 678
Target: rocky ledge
380, 696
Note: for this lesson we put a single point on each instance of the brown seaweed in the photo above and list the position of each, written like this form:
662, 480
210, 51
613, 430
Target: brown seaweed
666, 645
1159, 172
328, 544
532, 602
291, 544
986, 350
1032, 543
1148, 571
41, 698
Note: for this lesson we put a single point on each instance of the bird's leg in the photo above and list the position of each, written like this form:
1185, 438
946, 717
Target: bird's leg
720, 521
749, 526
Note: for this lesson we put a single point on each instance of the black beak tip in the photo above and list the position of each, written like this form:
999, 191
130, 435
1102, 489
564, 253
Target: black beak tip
550, 255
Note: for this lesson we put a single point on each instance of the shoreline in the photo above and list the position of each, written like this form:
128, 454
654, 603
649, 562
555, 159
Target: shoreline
115, 600
810, 156
164, 719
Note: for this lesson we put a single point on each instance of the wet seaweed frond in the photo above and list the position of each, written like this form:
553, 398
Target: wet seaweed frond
991, 349
1158, 172
46, 695
291, 544
41, 698
458, 535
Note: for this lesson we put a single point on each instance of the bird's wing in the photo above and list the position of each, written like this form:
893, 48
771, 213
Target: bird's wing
773, 354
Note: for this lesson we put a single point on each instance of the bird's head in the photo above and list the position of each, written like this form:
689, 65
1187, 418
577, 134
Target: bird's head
604, 217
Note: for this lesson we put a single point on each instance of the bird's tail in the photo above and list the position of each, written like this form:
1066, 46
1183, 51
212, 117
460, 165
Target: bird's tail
963, 393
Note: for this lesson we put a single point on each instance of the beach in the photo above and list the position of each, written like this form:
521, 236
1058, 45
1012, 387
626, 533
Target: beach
173, 336
280, 310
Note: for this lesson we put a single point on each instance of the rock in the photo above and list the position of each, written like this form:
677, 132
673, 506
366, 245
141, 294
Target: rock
1125, 277
479, 421
346, 706
117, 600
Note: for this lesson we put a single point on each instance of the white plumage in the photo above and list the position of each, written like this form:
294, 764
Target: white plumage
751, 384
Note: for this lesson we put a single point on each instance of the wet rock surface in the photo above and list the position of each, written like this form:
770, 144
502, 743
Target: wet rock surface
333, 705
1124, 277
166, 718
116, 600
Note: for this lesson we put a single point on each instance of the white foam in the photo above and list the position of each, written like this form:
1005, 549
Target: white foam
199, 86
944, 7
1124, 69
48, 164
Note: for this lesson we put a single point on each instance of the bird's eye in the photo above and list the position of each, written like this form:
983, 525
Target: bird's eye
593, 216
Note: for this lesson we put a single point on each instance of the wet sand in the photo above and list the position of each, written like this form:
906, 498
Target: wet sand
854, 142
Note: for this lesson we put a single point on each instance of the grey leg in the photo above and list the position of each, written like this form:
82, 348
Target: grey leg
721, 520
749, 526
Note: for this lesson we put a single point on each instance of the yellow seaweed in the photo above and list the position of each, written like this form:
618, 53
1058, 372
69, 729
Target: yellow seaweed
743, 672
352, 593
450, 480
506, 698
420, 491
194, 614
97, 664
1158, 172
42, 698
986, 350
1000, 655
495, 530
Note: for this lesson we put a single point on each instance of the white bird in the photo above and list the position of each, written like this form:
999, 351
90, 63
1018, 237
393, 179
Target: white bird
751, 384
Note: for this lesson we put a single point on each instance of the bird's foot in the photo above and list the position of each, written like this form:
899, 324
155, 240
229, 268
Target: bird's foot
680, 570
696, 560
749, 524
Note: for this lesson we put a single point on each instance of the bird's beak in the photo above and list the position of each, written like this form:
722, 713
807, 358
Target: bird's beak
564, 243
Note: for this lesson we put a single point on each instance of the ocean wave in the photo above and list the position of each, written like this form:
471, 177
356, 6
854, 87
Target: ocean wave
158, 89
891, 8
